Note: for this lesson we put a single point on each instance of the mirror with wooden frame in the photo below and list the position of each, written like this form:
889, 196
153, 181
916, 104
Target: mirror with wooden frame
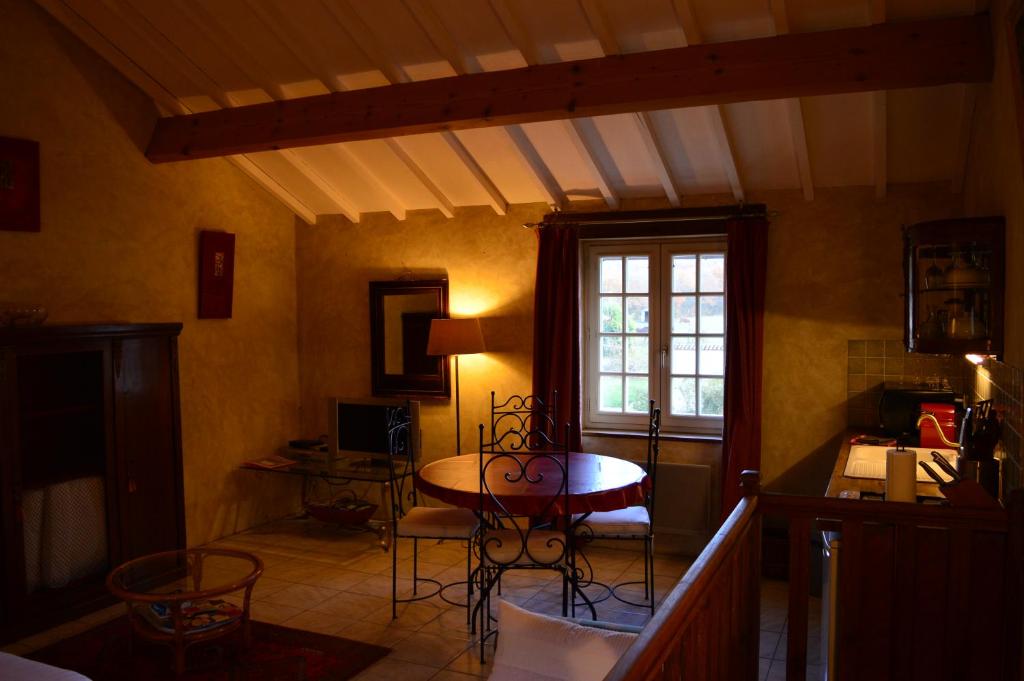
400, 316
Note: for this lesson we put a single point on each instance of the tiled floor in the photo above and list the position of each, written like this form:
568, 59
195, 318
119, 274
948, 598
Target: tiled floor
774, 607
320, 578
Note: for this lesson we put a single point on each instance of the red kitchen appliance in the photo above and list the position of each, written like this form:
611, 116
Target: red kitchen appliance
945, 414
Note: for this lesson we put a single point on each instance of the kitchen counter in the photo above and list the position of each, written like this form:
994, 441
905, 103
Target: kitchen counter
839, 482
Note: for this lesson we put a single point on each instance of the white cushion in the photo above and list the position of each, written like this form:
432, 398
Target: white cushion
14, 668
438, 523
540, 647
625, 522
503, 547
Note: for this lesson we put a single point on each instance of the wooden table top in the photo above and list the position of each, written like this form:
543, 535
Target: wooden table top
596, 483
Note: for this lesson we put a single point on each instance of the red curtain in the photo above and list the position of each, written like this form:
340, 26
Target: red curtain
556, 324
746, 265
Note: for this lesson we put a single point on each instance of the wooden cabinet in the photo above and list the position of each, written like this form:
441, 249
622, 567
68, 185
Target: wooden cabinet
90, 463
955, 286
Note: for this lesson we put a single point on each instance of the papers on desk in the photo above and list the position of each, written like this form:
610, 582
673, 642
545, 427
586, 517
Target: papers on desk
270, 463
869, 462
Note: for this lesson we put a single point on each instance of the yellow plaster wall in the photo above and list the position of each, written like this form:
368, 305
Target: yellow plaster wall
490, 262
994, 179
834, 274
119, 242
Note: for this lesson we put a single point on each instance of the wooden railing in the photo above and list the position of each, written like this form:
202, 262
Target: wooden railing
707, 626
924, 592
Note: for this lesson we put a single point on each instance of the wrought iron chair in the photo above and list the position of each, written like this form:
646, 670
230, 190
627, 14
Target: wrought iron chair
503, 543
632, 523
421, 522
524, 422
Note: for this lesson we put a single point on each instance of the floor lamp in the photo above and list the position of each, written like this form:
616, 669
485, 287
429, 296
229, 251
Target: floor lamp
455, 337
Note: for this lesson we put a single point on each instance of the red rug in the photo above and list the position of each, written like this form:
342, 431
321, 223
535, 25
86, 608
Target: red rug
276, 654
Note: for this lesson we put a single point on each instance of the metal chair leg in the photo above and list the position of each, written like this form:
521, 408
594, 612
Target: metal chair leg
415, 557
394, 578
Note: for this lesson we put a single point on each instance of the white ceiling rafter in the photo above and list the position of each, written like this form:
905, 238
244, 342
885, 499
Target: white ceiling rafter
279, 23
444, 204
394, 202
358, 32
363, 36
524, 43
220, 67
237, 54
716, 119
599, 24
426, 18
165, 99
794, 112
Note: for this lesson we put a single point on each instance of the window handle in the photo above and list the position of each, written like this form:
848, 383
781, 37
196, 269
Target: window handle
664, 356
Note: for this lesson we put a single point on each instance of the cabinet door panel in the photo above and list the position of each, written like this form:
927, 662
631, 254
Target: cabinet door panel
148, 444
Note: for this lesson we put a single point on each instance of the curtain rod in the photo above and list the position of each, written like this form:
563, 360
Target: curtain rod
711, 214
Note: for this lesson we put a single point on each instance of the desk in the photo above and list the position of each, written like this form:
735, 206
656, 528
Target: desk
346, 470
596, 483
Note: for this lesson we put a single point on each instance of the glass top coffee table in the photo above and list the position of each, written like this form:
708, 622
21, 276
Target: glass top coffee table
185, 597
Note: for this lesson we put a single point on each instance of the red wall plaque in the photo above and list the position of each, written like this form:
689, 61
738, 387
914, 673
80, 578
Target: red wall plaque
216, 274
19, 185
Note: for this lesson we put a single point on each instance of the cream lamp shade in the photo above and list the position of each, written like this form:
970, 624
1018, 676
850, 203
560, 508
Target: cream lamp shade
455, 337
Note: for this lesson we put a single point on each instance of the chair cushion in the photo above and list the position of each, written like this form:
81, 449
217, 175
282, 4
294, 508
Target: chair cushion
14, 668
532, 646
503, 547
625, 522
438, 523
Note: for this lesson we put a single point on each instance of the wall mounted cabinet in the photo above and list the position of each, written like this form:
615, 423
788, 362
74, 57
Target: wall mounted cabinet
955, 273
90, 463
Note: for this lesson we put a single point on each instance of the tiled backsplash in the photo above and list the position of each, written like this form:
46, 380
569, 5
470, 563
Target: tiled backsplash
1003, 384
870, 363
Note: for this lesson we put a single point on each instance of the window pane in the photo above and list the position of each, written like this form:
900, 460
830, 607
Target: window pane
712, 273
611, 393
636, 275
712, 314
684, 314
637, 355
638, 315
611, 275
684, 273
637, 395
611, 353
684, 396
611, 314
684, 355
712, 355
712, 396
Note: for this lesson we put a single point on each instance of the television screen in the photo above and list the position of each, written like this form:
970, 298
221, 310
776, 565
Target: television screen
359, 426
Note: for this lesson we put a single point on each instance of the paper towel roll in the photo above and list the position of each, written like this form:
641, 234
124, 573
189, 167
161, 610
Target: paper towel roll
901, 475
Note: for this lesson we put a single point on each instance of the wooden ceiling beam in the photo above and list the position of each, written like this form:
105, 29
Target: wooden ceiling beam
879, 114
913, 54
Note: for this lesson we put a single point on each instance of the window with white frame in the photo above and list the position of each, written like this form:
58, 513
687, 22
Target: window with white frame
654, 327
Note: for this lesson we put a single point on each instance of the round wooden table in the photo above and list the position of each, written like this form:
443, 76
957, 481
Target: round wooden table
596, 483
